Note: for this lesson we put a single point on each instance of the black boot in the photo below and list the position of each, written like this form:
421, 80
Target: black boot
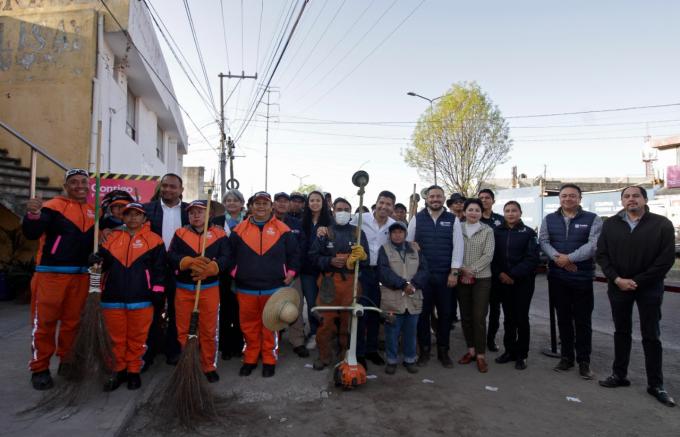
42, 380
424, 356
134, 381
115, 380
443, 357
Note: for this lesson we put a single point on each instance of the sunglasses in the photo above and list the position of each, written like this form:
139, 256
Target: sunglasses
76, 172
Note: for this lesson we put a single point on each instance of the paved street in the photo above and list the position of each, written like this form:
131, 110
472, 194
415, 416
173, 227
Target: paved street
301, 401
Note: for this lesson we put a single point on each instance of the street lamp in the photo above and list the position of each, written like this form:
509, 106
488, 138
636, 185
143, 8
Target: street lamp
300, 178
434, 158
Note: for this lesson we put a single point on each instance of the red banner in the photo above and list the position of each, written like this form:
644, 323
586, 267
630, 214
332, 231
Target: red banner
141, 188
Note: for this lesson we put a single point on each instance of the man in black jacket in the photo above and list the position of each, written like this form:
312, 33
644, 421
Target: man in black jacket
165, 215
635, 250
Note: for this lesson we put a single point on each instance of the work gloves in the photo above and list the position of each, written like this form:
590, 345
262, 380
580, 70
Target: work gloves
358, 254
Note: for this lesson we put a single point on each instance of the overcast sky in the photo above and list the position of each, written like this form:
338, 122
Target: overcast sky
355, 60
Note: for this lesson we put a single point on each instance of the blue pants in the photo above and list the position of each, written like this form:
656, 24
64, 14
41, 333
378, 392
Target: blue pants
310, 290
406, 325
369, 324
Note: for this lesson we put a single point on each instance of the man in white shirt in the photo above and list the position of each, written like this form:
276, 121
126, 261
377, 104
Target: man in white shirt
438, 234
375, 225
165, 215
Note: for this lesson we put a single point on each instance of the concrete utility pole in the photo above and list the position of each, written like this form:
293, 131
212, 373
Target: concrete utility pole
266, 142
231, 183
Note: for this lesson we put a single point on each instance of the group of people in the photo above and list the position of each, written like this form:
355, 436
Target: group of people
422, 272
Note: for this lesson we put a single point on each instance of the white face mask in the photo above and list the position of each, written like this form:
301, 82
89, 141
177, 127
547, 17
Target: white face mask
342, 217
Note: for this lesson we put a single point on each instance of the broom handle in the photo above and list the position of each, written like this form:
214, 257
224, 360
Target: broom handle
204, 238
97, 185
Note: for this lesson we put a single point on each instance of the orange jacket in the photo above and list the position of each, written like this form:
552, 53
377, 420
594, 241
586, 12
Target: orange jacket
187, 242
66, 233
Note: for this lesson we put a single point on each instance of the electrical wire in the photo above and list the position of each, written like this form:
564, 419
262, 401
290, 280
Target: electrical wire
198, 51
153, 69
224, 34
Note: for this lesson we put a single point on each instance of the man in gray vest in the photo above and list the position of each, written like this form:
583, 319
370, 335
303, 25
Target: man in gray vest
569, 238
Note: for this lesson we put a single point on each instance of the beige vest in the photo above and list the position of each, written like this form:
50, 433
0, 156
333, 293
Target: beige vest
396, 301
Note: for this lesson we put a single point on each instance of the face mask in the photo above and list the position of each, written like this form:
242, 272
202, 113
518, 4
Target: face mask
342, 217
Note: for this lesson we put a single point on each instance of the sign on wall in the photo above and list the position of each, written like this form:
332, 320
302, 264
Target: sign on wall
673, 176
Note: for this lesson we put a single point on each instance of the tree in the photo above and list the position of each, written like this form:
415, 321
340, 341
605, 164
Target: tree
466, 137
308, 188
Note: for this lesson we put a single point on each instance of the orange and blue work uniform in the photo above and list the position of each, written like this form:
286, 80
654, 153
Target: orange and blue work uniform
133, 271
60, 284
262, 255
187, 243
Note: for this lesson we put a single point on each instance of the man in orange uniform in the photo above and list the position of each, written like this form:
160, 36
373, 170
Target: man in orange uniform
59, 287
133, 268
265, 255
190, 267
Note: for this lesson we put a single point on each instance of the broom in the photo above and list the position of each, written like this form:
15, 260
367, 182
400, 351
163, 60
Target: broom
186, 395
91, 357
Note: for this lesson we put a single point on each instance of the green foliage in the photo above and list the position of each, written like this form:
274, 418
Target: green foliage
308, 188
466, 137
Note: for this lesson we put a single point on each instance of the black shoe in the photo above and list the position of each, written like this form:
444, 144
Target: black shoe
391, 369
521, 364
115, 380
268, 370
172, 360
212, 376
424, 356
585, 372
134, 381
563, 365
64, 369
42, 380
375, 358
362, 361
444, 358
661, 395
503, 358
301, 351
318, 364
614, 381
247, 369
491, 345
411, 367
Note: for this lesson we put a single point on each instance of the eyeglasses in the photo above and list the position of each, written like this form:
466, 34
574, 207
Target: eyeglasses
76, 172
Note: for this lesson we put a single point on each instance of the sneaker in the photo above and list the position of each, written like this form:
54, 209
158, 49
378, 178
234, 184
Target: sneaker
375, 358
613, 381
391, 369
411, 367
311, 343
42, 380
585, 372
247, 369
301, 351
212, 376
134, 381
268, 370
563, 365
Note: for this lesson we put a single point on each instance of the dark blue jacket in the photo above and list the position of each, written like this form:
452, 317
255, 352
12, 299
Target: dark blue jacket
154, 214
435, 241
339, 240
494, 221
516, 252
568, 240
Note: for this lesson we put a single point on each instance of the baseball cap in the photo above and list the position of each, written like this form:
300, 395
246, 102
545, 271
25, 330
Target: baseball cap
455, 197
297, 195
134, 205
278, 196
397, 225
262, 195
76, 172
198, 204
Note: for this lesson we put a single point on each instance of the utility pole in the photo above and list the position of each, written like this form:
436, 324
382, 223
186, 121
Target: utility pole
266, 143
232, 183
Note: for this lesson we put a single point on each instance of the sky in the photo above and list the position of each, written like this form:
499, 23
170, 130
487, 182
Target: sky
339, 99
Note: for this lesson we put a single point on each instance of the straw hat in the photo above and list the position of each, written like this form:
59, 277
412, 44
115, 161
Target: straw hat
281, 309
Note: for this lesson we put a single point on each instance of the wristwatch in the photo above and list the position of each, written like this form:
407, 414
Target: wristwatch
454, 272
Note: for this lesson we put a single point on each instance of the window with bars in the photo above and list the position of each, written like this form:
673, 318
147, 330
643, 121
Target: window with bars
131, 116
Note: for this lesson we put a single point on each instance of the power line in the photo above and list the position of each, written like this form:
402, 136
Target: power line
337, 84
224, 34
594, 111
278, 62
242, 43
151, 67
304, 38
198, 51
167, 40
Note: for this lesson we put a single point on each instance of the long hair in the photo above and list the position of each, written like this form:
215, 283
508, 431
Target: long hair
324, 214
